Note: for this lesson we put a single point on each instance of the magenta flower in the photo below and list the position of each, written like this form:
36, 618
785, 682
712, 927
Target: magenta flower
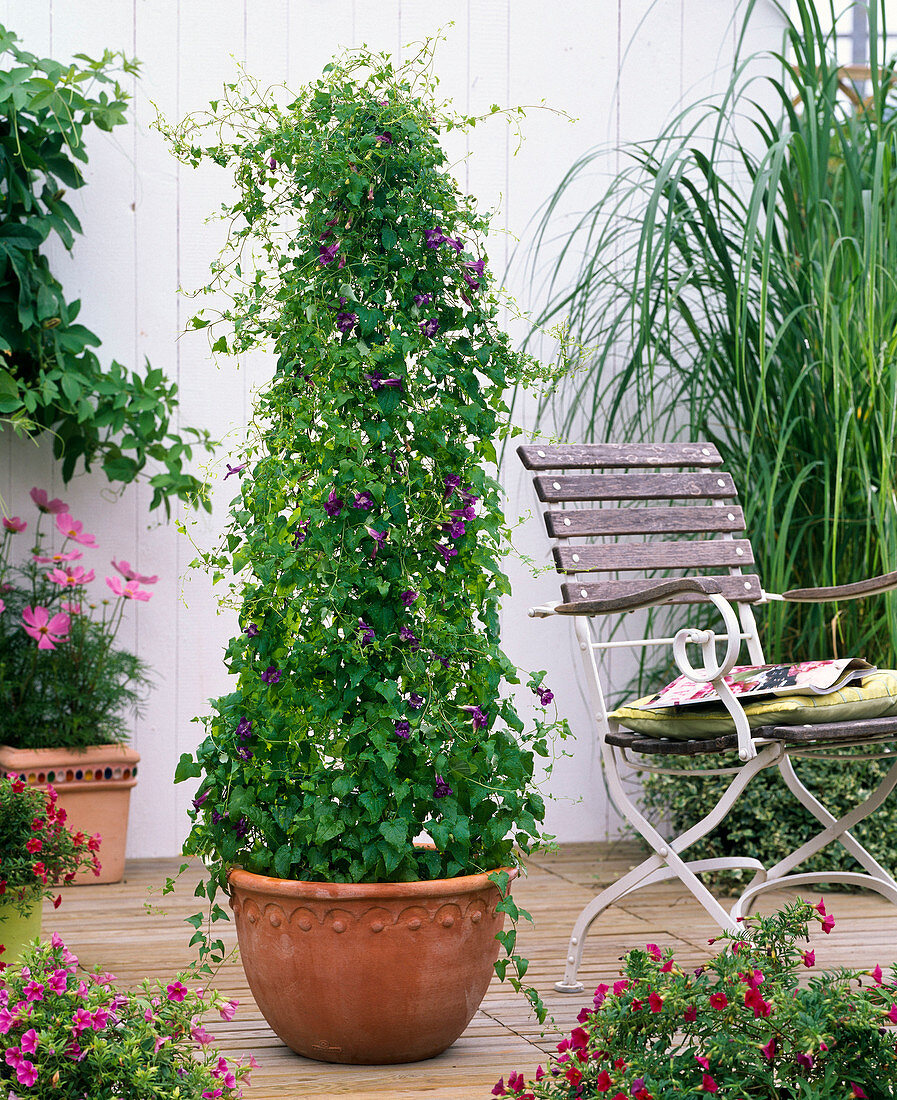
408, 597
545, 696
719, 1001
809, 958
176, 991
476, 266
655, 1002
26, 1073
58, 559
446, 551
199, 1035
13, 524
45, 630
74, 530
454, 243
384, 139
377, 381
130, 574
30, 1041
434, 237
892, 1015
2, 607
876, 975
858, 1091
228, 1010
409, 636
53, 507
71, 608
429, 327
480, 720
452, 482
129, 590
34, 991
73, 578
828, 923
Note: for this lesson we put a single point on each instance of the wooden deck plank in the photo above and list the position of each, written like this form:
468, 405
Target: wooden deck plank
132, 930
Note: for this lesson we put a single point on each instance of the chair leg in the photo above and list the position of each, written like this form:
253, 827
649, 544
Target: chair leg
837, 829
666, 861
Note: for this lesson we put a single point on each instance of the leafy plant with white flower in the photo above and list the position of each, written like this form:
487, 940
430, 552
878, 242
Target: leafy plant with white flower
367, 536
66, 1032
63, 681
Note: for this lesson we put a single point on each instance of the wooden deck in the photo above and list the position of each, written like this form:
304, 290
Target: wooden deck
130, 929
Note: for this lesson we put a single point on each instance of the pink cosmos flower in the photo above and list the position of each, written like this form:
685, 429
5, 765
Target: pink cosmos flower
54, 506
45, 630
2, 607
74, 530
130, 574
58, 559
13, 524
71, 608
72, 578
129, 590
228, 1010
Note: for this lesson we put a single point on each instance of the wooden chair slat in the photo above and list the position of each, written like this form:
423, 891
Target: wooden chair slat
742, 589
585, 456
688, 519
704, 486
661, 554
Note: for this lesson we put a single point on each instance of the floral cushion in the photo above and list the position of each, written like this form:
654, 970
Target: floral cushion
875, 696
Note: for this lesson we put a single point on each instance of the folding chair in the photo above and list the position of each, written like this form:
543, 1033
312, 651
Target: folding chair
679, 489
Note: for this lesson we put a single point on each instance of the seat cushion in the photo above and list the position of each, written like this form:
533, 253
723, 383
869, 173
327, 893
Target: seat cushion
875, 696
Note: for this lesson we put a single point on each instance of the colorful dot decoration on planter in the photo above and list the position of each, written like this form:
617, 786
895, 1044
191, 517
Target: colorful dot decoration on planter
77, 775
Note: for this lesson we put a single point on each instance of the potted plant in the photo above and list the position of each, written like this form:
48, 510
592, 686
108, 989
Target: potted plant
67, 1032
366, 538
744, 1024
64, 684
38, 851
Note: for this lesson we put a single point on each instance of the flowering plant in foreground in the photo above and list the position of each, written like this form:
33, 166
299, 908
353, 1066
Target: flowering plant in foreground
367, 535
63, 681
37, 850
65, 1032
742, 1025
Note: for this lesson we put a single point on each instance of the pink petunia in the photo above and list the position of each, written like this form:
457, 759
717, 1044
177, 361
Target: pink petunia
828, 923
130, 574
892, 1015
30, 1041
74, 530
2, 607
53, 507
708, 1084
129, 590
719, 1001
769, 1051
655, 1002
228, 1010
809, 958
176, 991
26, 1073
876, 975
45, 630
858, 1091
14, 525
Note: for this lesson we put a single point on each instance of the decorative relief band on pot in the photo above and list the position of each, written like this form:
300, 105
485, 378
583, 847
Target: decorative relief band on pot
375, 919
78, 775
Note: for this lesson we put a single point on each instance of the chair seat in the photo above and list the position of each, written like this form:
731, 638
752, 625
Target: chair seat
870, 731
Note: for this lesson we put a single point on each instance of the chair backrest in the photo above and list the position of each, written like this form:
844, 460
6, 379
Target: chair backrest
611, 491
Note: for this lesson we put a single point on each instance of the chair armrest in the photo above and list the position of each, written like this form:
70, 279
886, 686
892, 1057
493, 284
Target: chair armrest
649, 597
871, 587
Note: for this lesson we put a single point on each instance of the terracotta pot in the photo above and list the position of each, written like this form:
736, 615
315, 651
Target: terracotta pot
17, 930
371, 973
94, 787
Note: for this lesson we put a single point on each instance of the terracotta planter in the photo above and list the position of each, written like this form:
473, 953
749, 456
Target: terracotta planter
17, 930
369, 974
94, 787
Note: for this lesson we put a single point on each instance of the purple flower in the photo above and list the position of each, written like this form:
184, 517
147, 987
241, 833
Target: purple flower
345, 322
422, 299
442, 660
451, 483
545, 696
429, 327
452, 242
408, 636
415, 701
467, 496
805, 1060
408, 597
476, 266
434, 237
271, 675
300, 533
442, 788
446, 551
479, 719
377, 381
379, 538
242, 827
638, 1086
216, 817
234, 469
243, 753
244, 728
467, 513
364, 501
252, 630
455, 529
333, 505
403, 730
272, 163
367, 635
474, 284
328, 253
198, 801
384, 139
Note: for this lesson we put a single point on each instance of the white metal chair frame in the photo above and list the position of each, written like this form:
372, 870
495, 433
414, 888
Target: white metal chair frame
756, 750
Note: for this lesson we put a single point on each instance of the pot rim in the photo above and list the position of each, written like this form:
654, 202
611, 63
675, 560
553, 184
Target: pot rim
347, 891
116, 751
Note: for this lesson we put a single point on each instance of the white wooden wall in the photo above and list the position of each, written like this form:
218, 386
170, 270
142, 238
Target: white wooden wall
618, 66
